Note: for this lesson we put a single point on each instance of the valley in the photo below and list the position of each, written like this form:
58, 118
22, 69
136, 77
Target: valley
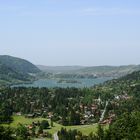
69, 69
69, 102
20, 72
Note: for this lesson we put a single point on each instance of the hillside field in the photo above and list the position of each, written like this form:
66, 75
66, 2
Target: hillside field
85, 129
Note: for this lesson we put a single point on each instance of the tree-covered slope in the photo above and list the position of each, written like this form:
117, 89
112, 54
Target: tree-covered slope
9, 75
15, 70
133, 76
114, 71
18, 64
126, 107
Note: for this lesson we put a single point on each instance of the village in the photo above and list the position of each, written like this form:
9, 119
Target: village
97, 112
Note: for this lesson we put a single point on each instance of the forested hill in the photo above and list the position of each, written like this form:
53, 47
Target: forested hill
18, 64
128, 80
133, 76
15, 70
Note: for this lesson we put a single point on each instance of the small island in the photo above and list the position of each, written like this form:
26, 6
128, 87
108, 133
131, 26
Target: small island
69, 81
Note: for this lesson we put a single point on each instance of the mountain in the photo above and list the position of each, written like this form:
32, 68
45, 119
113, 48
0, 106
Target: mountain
111, 71
15, 70
18, 64
89, 72
59, 69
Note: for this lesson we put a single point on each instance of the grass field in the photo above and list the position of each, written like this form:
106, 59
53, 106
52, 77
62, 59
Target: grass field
85, 129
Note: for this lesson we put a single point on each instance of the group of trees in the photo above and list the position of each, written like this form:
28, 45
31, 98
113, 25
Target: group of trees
64, 134
6, 133
126, 127
22, 132
64, 104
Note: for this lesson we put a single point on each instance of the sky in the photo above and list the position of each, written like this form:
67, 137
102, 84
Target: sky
71, 32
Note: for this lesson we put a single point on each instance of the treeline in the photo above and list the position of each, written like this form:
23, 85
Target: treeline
64, 134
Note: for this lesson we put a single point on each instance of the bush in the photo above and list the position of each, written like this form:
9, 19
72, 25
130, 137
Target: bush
44, 124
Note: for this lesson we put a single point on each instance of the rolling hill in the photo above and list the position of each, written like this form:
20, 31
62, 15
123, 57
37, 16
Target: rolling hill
15, 70
89, 72
18, 64
60, 69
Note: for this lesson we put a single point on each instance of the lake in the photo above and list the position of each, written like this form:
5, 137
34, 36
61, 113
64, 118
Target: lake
78, 82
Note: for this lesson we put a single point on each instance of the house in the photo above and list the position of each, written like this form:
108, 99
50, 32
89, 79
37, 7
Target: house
50, 115
18, 113
83, 122
94, 107
107, 121
117, 97
30, 126
29, 116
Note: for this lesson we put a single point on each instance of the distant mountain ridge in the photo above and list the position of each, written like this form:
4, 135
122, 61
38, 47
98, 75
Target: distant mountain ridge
115, 71
59, 68
89, 72
14, 70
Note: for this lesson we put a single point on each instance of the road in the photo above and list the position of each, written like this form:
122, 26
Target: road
55, 136
102, 116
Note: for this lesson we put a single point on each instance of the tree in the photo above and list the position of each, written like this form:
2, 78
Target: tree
51, 122
6, 133
125, 127
45, 124
33, 131
22, 132
100, 133
40, 130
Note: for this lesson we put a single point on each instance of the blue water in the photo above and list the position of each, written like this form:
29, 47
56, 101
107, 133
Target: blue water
50, 83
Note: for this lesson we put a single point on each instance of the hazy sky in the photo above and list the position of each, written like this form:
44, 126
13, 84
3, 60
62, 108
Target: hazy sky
71, 32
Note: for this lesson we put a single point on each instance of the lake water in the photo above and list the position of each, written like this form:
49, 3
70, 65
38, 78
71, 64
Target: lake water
50, 83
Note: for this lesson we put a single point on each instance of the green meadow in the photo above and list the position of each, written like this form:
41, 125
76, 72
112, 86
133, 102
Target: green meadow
85, 129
